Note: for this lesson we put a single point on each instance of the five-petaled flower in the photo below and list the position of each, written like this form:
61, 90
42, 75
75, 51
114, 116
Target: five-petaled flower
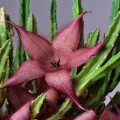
52, 61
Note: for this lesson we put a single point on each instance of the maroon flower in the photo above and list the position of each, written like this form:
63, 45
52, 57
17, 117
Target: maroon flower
91, 115
55, 61
106, 115
88, 115
19, 100
22, 114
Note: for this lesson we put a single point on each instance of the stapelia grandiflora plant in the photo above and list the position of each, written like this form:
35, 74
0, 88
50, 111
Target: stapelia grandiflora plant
44, 78
54, 62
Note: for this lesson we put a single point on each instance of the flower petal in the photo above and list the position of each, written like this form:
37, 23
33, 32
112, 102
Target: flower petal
52, 97
60, 80
22, 114
36, 46
80, 56
61, 55
29, 70
107, 115
69, 37
42, 86
18, 96
116, 107
88, 115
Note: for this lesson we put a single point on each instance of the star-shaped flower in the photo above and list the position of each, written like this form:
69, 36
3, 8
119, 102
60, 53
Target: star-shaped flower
52, 61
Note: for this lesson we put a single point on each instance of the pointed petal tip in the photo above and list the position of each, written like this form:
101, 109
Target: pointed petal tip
32, 43
13, 24
80, 56
3, 86
83, 13
108, 115
82, 108
80, 16
22, 114
101, 44
61, 82
115, 106
86, 12
78, 104
69, 37
28, 71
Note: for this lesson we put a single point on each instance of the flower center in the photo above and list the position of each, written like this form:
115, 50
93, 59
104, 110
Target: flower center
55, 65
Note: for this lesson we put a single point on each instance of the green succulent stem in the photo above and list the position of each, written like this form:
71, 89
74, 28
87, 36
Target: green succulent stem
93, 38
112, 78
98, 60
114, 12
77, 10
115, 9
24, 12
83, 81
36, 105
5, 34
52, 21
4, 56
4, 68
63, 109
31, 23
31, 27
101, 72
19, 57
